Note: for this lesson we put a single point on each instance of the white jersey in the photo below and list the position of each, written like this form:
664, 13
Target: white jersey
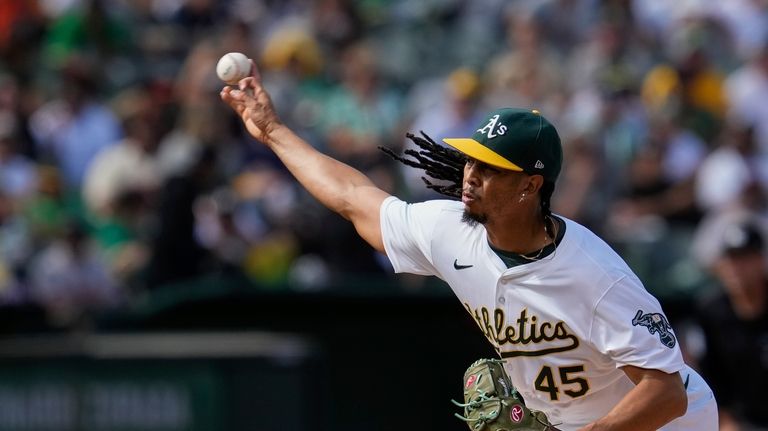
564, 324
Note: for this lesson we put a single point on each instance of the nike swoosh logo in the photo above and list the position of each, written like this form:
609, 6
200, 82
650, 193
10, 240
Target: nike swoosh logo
687, 378
457, 266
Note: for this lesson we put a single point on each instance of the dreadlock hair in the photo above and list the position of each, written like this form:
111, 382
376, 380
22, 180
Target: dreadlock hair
439, 162
446, 164
545, 194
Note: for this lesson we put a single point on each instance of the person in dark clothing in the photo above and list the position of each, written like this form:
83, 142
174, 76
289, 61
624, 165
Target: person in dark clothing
176, 254
735, 327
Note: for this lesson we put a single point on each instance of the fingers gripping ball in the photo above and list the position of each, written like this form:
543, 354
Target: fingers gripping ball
491, 403
232, 67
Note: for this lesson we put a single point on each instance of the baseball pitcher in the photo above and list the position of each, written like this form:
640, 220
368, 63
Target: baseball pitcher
582, 345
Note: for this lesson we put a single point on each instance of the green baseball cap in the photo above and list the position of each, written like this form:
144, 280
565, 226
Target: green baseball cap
516, 139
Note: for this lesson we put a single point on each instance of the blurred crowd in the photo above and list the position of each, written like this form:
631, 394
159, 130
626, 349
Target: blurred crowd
122, 171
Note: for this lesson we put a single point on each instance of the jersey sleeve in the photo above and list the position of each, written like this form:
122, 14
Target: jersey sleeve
631, 328
407, 230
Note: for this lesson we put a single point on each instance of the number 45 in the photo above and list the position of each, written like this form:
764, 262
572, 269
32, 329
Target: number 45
545, 382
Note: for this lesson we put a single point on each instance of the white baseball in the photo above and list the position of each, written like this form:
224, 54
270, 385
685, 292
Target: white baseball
232, 67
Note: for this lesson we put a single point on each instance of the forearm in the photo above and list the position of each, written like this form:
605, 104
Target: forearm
336, 185
330, 181
647, 407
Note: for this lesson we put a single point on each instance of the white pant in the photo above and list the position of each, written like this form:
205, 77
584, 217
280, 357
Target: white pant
702, 408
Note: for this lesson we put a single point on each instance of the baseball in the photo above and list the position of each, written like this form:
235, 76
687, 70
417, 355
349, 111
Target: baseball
232, 67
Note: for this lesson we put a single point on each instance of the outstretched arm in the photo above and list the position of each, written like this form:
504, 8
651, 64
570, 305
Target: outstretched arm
336, 185
656, 399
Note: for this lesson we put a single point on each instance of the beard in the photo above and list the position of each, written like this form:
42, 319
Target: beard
473, 219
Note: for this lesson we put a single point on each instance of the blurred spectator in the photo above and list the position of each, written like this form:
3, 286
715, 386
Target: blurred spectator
129, 166
15, 250
49, 209
219, 225
69, 277
653, 213
292, 65
176, 254
528, 73
621, 132
361, 112
660, 180
567, 22
581, 176
691, 83
336, 23
735, 175
611, 61
22, 26
734, 321
14, 15
17, 173
95, 31
14, 112
745, 21
332, 253
196, 127
198, 17
160, 44
747, 90
121, 184
292, 49
250, 225
71, 129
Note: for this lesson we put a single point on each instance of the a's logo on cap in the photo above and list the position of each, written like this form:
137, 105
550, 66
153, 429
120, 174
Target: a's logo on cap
516, 413
490, 130
539, 165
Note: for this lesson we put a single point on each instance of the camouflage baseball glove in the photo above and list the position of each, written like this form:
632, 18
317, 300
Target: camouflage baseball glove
491, 403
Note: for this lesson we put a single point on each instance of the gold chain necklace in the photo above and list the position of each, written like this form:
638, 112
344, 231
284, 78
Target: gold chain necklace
547, 220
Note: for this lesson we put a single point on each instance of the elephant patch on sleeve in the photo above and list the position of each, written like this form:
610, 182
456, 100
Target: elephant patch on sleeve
656, 323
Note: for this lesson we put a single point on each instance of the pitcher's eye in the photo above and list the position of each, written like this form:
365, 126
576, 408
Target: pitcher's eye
482, 167
485, 167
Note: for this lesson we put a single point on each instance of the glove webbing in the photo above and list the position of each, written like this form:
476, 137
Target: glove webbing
483, 419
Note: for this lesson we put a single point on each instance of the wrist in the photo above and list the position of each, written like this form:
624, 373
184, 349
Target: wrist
276, 133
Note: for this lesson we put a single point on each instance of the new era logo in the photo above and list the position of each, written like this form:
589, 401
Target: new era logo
539, 165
